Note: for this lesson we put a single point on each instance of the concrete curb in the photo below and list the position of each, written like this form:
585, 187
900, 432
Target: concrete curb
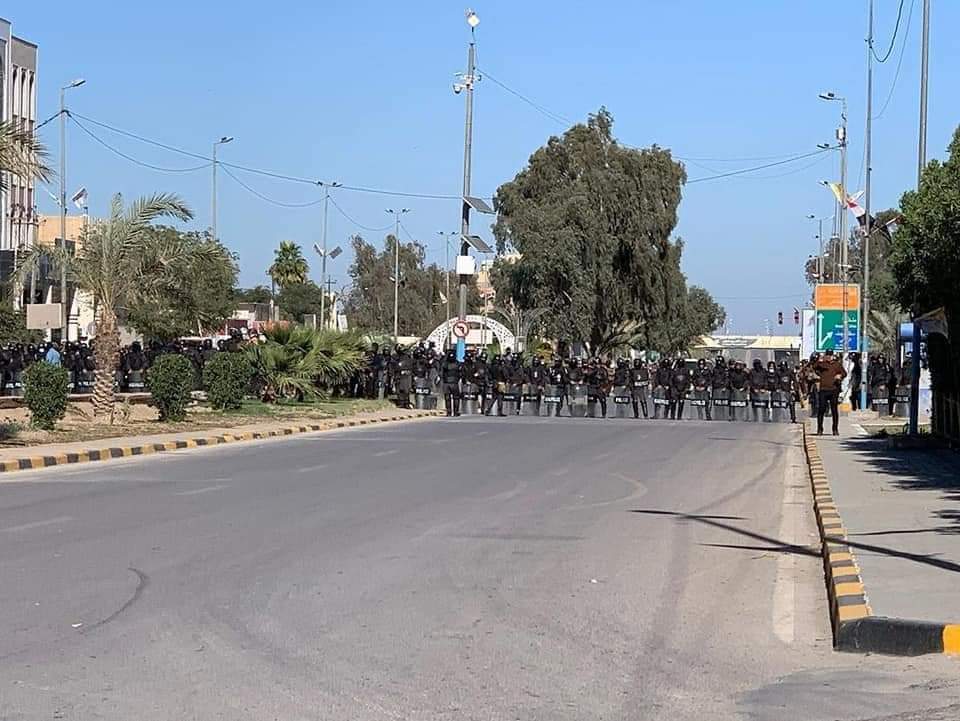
855, 628
106, 454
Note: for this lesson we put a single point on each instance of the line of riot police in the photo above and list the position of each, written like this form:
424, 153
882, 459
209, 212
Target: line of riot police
594, 387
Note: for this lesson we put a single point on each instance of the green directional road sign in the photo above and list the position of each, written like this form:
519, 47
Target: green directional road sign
830, 330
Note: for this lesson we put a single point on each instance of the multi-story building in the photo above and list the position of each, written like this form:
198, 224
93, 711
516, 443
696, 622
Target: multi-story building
18, 106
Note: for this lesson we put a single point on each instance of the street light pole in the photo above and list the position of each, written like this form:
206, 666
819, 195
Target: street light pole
64, 308
864, 335
446, 272
213, 202
396, 270
323, 262
844, 240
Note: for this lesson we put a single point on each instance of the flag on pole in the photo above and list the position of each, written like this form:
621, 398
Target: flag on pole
79, 199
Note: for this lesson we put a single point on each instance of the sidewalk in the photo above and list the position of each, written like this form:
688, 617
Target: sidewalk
43, 456
901, 511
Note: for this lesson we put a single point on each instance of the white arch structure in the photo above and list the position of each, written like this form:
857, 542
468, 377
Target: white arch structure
477, 323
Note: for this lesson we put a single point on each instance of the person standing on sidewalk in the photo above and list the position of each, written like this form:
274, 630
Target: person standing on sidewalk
856, 379
830, 373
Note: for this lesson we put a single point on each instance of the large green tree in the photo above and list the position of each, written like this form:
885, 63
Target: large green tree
289, 266
257, 294
592, 220
926, 259
299, 299
195, 294
369, 303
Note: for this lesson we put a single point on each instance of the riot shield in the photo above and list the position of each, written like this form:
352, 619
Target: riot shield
721, 404
551, 400
15, 387
739, 402
511, 399
423, 394
696, 406
901, 402
780, 406
469, 399
760, 402
530, 402
881, 401
622, 402
661, 403
578, 400
135, 381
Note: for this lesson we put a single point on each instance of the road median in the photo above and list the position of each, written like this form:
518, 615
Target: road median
57, 454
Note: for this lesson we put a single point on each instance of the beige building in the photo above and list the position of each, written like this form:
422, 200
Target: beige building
80, 317
18, 107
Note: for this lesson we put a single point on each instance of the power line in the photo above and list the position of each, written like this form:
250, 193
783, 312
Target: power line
555, 117
893, 39
268, 199
130, 157
48, 120
760, 167
896, 75
356, 223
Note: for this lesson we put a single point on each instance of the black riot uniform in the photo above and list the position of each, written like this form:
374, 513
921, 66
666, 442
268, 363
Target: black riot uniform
758, 383
621, 375
739, 381
451, 372
558, 378
787, 383
537, 379
497, 376
702, 383
403, 376
663, 383
719, 385
481, 379
680, 384
639, 384
598, 380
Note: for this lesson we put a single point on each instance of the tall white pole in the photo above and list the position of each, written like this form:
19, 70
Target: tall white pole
844, 239
213, 195
864, 321
64, 309
396, 278
323, 261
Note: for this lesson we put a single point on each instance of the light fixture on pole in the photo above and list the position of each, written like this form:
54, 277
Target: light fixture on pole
396, 269
323, 272
842, 221
64, 304
324, 254
820, 268
213, 205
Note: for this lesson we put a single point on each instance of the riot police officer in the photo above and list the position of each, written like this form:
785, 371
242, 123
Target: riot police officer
451, 373
719, 387
558, 379
758, 384
497, 374
787, 384
663, 388
403, 376
639, 384
680, 384
702, 382
598, 381
739, 385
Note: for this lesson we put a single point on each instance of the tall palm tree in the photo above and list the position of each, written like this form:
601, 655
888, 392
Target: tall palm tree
289, 266
883, 327
22, 154
109, 265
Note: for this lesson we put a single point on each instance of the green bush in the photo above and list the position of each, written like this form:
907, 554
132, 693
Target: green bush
45, 388
9, 430
225, 378
170, 380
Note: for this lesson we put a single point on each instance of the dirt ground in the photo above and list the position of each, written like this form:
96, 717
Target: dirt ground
141, 419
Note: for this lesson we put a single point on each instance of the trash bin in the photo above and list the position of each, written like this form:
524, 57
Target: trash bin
622, 402
578, 400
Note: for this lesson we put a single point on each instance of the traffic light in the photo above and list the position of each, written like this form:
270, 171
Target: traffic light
780, 317
796, 317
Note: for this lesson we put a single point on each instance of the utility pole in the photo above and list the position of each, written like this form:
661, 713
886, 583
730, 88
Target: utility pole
446, 237
64, 307
323, 255
396, 270
921, 164
468, 82
864, 335
213, 199
844, 236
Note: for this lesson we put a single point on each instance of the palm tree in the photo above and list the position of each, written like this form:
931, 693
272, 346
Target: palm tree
110, 266
883, 327
289, 266
21, 154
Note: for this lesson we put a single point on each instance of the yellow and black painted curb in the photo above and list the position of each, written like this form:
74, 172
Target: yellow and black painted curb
855, 628
106, 454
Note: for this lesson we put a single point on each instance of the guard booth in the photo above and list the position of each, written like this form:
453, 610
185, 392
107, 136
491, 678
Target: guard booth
661, 403
424, 399
470, 399
739, 401
578, 400
721, 404
780, 406
551, 400
530, 402
622, 402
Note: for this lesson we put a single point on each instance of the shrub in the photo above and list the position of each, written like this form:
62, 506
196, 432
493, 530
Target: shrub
45, 393
9, 430
170, 380
225, 378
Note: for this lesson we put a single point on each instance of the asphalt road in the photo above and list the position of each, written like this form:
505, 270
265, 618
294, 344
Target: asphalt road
463, 569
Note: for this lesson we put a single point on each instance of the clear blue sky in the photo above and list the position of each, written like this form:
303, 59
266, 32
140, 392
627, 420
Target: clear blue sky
360, 92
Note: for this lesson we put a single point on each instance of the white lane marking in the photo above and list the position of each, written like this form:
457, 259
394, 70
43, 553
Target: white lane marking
308, 469
785, 585
386, 453
36, 524
198, 491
